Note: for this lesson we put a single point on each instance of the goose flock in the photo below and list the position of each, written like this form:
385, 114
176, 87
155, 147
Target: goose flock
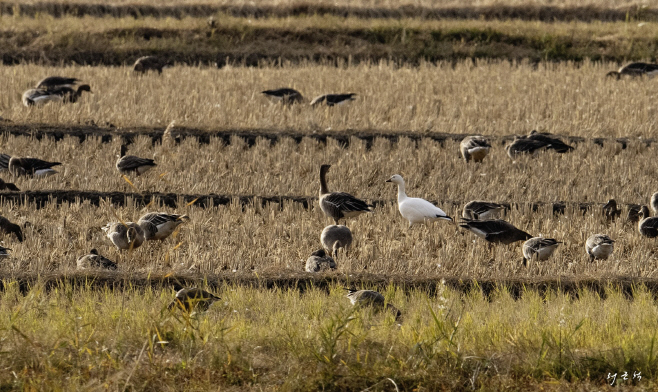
479, 217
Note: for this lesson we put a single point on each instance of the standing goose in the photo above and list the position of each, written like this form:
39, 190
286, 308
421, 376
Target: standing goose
481, 210
599, 246
334, 237
189, 299
338, 205
371, 298
11, 228
319, 261
610, 210
160, 225
474, 148
125, 236
284, 95
133, 164
634, 70
333, 99
654, 203
95, 261
539, 249
414, 209
56, 81
148, 63
495, 231
648, 225
31, 167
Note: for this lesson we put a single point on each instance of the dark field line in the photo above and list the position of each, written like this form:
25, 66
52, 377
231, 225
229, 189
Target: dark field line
175, 200
300, 281
250, 136
522, 12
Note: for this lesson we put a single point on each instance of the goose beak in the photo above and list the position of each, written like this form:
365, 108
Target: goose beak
389, 180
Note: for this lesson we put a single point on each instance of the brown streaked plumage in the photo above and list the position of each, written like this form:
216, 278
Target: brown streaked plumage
481, 210
125, 236
319, 261
371, 298
56, 81
474, 148
495, 230
133, 164
160, 225
338, 205
189, 299
538, 249
31, 167
95, 261
599, 246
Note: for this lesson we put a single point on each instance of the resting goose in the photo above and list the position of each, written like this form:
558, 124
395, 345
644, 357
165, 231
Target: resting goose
148, 63
56, 81
8, 186
95, 261
648, 225
610, 210
634, 70
495, 231
189, 299
414, 209
31, 167
133, 164
319, 261
333, 99
125, 236
481, 210
11, 228
338, 205
160, 225
539, 249
371, 298
334, 237
474, 148
599, 246
654, 203
284, 95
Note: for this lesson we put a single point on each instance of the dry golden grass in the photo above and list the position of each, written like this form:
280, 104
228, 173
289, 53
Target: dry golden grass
492, 98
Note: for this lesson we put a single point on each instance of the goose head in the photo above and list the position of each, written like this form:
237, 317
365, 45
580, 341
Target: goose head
396, 179
613, 74
84, 87
324, 169
644, 213
93, 252
611, 204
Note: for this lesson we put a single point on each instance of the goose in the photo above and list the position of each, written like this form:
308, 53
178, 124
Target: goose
552, 142
130, 163
333, 99
31, 167
474, 148
416, 210
338, 205
319, 261
538, 248
284, 95
648, 225
481, 210
125, 236
8, 186
610, 210
4, 161
633, 215
654, 203
371, 298
522, 145
495, 231
11, 228
160, 225
3, 252
94, 261
189, 299
599, 246
634, 70
148, 63
56, 81
334, 237
70, 95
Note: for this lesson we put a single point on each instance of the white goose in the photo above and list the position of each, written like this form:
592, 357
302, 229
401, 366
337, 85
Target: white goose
413, 209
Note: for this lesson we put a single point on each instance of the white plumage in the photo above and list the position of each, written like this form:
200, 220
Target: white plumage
413, 209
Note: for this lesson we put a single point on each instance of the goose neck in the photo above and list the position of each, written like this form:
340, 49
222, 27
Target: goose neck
401, 193
323, 183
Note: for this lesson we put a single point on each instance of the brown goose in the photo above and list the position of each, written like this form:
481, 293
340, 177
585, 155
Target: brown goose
11, 228
319, 261
125, 236
648, 225
539, 249
148, 63
552, 142
495, 231
610, 210
599, 246
284, 95
521, 146
56, 81
95, 261
189, 299
133, 164
634, 70
474, 148
333, 99
371, 298
338, 205
160, 225
334, 237
481, 210
31, 167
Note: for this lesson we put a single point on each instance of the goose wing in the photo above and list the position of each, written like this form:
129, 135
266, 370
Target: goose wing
160, 218
282, 92
471, 142
552, 142
344, 202
34, 164
650, 223
55, 81
4, 161
475, 208
524, 146
495, 230
131, 162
